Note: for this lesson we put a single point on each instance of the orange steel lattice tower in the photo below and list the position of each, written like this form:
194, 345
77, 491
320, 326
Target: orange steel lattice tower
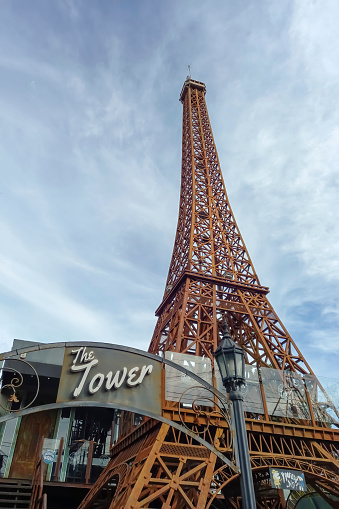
211, 279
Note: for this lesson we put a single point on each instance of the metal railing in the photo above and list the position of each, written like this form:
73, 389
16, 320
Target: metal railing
38, 497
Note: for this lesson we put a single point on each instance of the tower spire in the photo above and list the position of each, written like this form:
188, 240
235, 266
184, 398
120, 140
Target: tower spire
208, 240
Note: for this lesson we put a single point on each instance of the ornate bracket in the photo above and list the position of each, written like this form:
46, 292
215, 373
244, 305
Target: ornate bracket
220, 409
15, 383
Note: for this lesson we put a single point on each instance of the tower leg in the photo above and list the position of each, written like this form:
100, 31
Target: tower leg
167, 472
174, 476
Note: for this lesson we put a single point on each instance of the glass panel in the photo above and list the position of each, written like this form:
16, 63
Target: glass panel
62, 433
221, 366
50, 449
230, 366
6, 444
89, 426
240, 360
322, 404
285, 394
176, 382
252, 394
77, 462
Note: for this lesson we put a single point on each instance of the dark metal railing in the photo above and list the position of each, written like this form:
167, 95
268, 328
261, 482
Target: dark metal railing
58, 462
38, 497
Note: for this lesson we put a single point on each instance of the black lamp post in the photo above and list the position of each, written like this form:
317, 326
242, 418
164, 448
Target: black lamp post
231, 362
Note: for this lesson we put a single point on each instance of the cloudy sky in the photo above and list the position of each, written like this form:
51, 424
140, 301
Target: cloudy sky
90, 126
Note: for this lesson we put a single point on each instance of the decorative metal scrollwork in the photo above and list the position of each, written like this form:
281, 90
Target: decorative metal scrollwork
220, 409
15, 383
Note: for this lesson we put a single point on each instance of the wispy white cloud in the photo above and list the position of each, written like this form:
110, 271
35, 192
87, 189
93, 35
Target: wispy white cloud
27, 285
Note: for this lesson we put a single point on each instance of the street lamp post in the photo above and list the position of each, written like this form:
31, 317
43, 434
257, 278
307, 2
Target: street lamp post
231, 362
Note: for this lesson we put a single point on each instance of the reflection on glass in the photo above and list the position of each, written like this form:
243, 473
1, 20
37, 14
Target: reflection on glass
62, 432
178, 386
322, 406
284, 391
90, 430
285, 394
6, 443
251, 391
77, 462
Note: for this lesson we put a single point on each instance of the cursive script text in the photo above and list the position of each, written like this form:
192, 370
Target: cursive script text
84, 361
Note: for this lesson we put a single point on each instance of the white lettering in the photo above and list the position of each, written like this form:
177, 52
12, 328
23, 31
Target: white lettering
97, 378
86, 368
85, 357
90, 356
85, 361
77, 354
132, 374
145, 370
115, 383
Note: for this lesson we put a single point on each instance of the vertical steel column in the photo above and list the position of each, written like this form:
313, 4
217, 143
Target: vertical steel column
246, 479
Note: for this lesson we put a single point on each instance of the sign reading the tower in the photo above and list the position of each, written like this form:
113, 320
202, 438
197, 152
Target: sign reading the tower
111, 376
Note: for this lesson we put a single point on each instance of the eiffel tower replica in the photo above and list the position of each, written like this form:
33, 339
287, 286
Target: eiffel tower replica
212, 279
